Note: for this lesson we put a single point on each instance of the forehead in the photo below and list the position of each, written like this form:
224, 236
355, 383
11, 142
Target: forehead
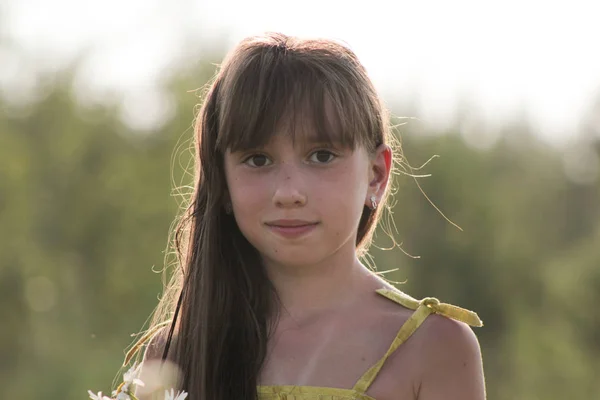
301, 122
296, 137
304, 128
294, 101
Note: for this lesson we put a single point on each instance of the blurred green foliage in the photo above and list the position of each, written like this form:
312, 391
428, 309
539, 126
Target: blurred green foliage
86, 208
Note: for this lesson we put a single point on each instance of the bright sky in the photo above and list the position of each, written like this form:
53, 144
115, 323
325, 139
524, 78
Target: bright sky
506, 57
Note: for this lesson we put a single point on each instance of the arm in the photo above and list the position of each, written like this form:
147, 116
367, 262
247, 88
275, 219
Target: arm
452, 363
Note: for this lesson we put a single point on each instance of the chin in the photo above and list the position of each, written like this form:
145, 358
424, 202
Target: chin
293, 257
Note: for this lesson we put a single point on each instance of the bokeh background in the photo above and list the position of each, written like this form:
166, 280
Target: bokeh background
96, 106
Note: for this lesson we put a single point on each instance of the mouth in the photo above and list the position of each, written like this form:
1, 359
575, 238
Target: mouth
291, 228
290, 223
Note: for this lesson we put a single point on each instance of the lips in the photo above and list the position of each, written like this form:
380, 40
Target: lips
290, 223
291, 228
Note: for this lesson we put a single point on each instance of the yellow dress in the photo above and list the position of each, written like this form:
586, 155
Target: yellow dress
423, 309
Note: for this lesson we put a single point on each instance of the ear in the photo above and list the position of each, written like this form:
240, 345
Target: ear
380, 166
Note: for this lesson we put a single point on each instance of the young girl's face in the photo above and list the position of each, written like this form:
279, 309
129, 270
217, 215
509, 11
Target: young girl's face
300, 201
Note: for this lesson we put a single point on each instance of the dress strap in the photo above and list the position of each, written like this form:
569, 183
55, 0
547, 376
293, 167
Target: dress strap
423, 309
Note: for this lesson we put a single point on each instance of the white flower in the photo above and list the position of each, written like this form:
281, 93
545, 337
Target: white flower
124, 391
131, 376
123, 396
175, 396
97, 396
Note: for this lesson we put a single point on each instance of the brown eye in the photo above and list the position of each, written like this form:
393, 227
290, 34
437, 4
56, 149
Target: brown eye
257, 160
322, 156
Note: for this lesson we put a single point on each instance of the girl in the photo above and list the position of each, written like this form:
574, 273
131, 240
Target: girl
271, 300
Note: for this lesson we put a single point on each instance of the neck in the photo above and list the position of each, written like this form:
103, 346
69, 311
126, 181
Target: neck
306, 290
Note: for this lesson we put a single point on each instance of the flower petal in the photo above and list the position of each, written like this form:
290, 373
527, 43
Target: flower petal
138, 382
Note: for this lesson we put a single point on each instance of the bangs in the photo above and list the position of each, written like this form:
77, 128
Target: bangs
276, 92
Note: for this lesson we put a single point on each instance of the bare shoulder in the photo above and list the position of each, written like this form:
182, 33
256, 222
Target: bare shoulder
154, 373
156, 345
451, 366
448, 333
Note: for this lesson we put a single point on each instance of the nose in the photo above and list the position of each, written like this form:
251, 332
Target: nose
289, 187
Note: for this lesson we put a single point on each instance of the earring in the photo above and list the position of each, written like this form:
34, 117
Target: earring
373, 202
228, 208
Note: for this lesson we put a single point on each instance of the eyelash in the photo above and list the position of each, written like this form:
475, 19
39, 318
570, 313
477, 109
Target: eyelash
334, 156
251, 156
329, 152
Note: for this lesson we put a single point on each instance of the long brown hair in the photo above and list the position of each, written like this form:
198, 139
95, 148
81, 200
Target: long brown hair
220, 300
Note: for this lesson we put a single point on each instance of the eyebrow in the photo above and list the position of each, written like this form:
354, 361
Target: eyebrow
302, 140
315, 139
324, 142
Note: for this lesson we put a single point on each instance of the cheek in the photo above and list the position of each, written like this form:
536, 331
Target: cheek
246, 194
341, 196
347, 186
